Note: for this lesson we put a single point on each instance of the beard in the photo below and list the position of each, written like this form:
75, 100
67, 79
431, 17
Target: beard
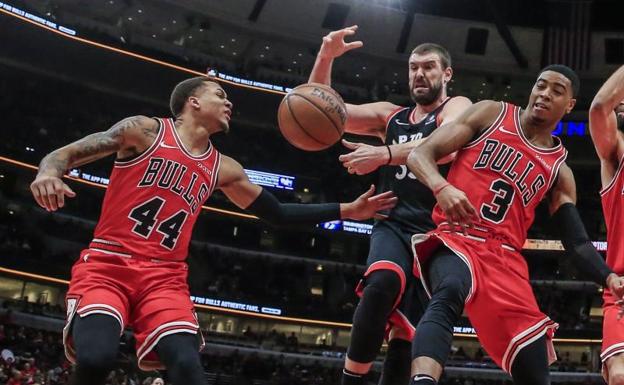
429, 97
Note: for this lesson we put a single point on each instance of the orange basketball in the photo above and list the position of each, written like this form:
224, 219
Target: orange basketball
312, 117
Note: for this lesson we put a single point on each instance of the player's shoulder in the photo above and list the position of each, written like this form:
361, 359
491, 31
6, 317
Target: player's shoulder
230, 170
457, 101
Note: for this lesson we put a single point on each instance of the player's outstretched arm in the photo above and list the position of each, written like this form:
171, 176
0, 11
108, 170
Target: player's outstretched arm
574, 237
127, 137
236, 186
366, 158
608, 141
365, 119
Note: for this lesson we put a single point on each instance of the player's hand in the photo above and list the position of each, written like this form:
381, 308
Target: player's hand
368, 205
364, 158
456, 207
50, 192
334, 44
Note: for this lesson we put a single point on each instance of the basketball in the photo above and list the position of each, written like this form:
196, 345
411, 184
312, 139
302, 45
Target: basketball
312, 117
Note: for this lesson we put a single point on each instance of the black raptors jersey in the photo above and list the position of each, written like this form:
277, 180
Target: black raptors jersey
413, 210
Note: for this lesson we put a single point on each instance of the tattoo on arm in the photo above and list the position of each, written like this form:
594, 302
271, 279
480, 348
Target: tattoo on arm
92, 147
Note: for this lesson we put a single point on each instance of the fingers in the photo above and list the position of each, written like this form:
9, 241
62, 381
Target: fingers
369, 192
382, 196
387, 203
34, 188
354, 45
347, 31
59, 192
68, 191
51, 195
350, 145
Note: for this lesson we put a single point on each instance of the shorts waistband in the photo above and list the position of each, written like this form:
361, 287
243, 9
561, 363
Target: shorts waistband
477, 233
116, 249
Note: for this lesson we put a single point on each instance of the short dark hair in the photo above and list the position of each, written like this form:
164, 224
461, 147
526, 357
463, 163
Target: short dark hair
184, 90
445, 56
568, 73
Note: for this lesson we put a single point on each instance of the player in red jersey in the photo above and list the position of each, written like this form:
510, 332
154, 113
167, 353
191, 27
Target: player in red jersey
507, 161
133, 273
606, 115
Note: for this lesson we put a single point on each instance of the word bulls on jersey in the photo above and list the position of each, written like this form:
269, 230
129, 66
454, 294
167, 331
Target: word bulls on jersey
505, 176
153, 200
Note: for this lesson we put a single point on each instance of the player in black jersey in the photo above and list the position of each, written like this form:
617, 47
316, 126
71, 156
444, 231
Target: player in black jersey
391, 300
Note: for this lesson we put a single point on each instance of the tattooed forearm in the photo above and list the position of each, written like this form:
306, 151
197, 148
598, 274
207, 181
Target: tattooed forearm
91, 147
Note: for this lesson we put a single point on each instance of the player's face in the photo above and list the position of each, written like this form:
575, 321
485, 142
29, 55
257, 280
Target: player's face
427, 78
213, 106
551, 98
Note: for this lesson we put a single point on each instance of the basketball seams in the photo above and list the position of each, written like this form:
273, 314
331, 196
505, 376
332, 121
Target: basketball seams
303, 129
322, 111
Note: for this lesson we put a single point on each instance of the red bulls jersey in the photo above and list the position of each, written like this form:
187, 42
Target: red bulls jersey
613, 207
152, 201
505, 176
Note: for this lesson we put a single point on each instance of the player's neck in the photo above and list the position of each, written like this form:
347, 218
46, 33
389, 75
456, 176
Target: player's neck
538, 133
422, 110
194, 136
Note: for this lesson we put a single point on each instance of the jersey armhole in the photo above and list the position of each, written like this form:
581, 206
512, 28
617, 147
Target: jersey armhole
391, 115
617, 173
556, 167
129, 160
485, 133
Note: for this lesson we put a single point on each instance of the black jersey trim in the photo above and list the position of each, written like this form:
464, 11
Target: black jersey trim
131, 161
215, 174
556, 168
485, 133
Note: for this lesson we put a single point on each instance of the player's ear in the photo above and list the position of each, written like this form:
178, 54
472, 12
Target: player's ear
194, 102
448, 75
570, 105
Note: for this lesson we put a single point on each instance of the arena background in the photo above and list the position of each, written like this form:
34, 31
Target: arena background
274, 303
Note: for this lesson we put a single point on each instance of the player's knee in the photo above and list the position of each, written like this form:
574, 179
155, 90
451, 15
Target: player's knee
453, 290
385, 285
179, 352
616, 377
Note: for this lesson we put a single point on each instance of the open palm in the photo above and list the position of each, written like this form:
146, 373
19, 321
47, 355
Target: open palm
334, 44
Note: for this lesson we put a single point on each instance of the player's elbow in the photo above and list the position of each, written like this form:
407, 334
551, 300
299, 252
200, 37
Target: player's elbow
600, 107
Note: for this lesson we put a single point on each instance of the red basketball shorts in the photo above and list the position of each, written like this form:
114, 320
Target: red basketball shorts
612, 329
501, 305
151, 296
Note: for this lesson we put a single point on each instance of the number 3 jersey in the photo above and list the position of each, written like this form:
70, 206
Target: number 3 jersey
505, 176
413, 209
153, 200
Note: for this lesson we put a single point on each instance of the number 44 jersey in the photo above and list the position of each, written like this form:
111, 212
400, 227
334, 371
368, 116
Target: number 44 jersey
505, 176
153, 200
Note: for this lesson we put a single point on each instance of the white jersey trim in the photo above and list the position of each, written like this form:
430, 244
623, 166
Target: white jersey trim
203, 156
541, 150
491, 128
617, 173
